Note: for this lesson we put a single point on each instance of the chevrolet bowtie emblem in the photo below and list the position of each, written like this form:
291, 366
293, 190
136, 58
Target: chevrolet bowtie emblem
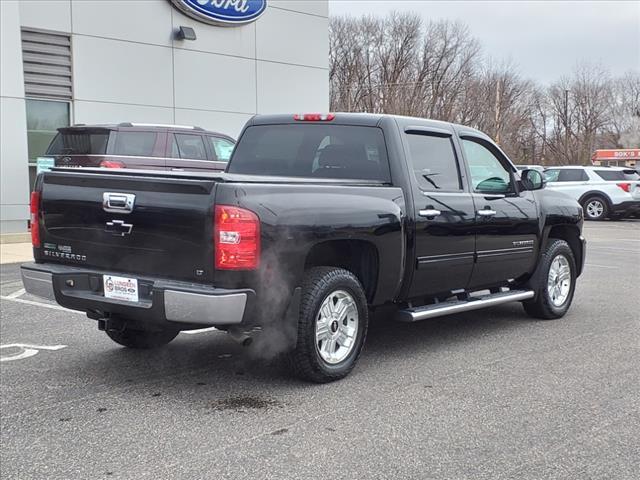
118, 228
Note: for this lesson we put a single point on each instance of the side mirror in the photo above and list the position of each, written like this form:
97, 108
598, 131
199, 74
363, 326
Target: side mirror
532, 179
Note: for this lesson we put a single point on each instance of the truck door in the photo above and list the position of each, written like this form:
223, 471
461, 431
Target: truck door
507, 230
444, 213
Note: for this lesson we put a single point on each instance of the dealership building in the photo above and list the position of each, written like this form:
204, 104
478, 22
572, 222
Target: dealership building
210, 63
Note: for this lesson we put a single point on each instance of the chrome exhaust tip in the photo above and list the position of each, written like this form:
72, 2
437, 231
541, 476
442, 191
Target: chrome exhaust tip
242, 336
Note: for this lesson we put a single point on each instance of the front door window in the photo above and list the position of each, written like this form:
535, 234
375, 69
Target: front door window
488, 175
222, 148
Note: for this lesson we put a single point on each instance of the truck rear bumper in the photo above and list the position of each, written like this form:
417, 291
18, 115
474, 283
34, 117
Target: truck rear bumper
172, 303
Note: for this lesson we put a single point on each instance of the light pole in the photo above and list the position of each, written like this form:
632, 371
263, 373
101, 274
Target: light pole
497, 117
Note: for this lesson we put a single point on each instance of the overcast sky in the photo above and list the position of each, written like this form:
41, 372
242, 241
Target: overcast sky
545, 39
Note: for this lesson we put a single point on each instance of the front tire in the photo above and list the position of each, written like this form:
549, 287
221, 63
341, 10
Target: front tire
595, 208
332, 326
141, 339
554, 282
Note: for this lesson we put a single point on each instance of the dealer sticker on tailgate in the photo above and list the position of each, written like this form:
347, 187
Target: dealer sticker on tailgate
120, 288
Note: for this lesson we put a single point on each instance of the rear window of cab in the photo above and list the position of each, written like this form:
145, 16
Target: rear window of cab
312, 150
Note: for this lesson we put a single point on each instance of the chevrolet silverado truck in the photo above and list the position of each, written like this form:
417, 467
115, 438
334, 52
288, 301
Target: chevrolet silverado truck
318, 220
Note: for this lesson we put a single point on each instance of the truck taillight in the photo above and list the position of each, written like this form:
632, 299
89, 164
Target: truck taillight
34, 207
237, 238
111, 164
314, 117
625, 186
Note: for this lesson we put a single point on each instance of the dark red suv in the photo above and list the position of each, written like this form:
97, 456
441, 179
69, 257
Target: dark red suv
142, 146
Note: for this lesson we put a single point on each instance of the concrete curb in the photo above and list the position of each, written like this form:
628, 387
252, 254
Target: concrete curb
6, 238
16, 253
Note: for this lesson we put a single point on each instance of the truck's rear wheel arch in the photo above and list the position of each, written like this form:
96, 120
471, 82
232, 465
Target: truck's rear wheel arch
358, 256
569, 234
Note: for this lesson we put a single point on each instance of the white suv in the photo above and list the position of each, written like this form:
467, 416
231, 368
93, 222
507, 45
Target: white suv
603, 192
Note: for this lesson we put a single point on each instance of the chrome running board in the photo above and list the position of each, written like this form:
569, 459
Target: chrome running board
458, 306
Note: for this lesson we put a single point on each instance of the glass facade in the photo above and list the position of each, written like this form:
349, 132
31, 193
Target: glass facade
44, 117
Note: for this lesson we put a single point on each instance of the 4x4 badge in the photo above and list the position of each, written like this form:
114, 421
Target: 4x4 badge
118, 228
523, 243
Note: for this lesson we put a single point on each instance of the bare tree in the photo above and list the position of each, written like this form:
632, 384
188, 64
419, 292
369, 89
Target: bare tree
625, 111
399, 64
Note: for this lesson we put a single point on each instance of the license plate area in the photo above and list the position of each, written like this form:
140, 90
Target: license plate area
120, 288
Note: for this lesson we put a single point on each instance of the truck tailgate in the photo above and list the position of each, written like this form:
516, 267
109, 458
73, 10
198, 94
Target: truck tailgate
138, 223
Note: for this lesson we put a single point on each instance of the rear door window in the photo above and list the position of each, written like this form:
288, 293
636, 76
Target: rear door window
135, 144
572, 175
434, 162
190, 146
313, 150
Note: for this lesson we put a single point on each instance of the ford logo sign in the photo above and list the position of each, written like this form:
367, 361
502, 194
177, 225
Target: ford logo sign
222, 12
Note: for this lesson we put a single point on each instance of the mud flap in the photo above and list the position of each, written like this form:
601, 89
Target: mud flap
291, 317
281, 334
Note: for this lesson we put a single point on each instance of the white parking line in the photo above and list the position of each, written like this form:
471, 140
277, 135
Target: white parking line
609, 240
17, 293
38, 304
11, 298
615, 249
28, 350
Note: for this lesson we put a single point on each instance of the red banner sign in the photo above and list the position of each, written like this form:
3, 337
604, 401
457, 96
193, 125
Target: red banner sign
626, 154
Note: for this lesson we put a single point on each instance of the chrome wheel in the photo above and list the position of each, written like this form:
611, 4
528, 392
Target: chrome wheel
559, 280
595, 208
336, 327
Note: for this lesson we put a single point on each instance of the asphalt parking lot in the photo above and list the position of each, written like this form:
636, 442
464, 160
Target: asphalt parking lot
489, 394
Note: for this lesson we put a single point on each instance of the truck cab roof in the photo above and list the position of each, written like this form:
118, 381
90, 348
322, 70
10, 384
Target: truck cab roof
365, 120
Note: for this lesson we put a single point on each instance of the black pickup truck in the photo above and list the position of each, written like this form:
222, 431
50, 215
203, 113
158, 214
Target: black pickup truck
317, 221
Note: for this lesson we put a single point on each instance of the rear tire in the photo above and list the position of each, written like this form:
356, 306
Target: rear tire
141, 339
332, 326
554, 282
595, 208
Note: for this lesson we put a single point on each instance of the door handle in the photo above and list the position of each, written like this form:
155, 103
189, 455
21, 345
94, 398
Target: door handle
487, 212
429, 213
118, 202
